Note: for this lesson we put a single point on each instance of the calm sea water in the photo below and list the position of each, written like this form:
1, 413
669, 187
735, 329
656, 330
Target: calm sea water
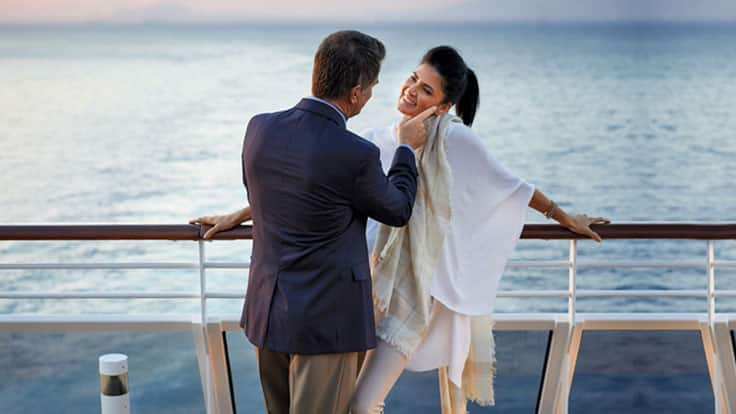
144, 124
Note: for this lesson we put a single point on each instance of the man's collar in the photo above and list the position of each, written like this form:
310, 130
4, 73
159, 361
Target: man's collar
323, 107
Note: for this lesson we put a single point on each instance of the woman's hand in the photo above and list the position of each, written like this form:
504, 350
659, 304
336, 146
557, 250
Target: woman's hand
581, 224
222, 222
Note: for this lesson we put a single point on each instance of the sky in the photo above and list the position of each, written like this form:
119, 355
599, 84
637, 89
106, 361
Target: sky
136, 11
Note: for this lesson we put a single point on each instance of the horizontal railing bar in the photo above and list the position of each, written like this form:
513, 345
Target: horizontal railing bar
562, 264
93, 322
538, 264
541, 264
693, 231
643, 316
580, 293
641, 264
230, 322
99, 295
102, 232
503, 321
532, 294
555, 293
641, 321
724, 264
92, 266
224, 295
225, 265
641, 293
178, 322
501, 294
698, 231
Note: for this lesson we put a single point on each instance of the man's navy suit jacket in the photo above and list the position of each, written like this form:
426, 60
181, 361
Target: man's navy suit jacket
311, 185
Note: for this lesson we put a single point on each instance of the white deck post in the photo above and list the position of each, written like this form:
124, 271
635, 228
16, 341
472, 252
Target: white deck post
219, 377
555, 378
726, 359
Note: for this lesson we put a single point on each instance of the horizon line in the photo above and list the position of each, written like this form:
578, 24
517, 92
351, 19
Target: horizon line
369, 22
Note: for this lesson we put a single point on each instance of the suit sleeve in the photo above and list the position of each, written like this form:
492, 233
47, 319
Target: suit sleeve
249, 130
242, 166
387, 199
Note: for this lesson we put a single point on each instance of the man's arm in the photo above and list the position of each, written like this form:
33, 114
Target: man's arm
387, 199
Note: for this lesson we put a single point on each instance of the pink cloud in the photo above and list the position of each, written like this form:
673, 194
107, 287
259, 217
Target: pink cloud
195, 10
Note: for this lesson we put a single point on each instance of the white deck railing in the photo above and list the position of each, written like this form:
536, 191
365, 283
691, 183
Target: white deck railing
566, 329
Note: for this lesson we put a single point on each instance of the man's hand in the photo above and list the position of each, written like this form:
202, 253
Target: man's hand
412, 131
222, 222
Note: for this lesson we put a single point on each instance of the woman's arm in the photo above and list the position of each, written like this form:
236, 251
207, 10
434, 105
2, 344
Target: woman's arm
579, 223
223, 222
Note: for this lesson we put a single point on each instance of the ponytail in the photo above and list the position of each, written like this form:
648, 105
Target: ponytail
468, 103
460, 84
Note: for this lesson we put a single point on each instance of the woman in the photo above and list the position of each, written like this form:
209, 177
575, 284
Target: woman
435, 278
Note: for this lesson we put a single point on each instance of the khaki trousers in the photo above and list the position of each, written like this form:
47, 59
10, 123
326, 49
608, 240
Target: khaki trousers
307, 384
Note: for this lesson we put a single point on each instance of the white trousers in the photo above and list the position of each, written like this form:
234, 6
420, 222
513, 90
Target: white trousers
382, 368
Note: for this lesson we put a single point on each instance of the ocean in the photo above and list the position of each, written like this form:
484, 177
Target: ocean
144, 124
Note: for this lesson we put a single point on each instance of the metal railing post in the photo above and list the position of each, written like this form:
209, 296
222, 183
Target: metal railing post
207, 380
571, 282
711, 283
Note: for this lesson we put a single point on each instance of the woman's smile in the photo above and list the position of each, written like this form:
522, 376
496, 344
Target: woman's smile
408, 100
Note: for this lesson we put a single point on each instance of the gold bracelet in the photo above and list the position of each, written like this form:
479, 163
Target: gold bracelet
551, 210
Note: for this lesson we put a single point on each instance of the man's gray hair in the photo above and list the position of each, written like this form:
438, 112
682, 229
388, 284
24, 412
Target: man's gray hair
343, 60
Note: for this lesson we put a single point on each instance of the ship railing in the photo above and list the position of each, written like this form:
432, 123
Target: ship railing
565, 329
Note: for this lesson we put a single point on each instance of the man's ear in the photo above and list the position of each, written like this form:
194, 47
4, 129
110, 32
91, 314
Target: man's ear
355, 93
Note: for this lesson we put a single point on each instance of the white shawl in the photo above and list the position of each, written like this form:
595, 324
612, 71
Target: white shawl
404, 259
488, 205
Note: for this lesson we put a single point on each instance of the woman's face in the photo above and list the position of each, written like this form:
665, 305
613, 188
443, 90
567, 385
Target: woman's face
422, 90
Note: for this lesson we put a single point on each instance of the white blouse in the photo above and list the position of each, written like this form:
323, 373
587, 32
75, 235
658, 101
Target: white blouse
488, 205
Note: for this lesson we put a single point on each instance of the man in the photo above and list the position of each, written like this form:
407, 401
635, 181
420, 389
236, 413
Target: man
311, 185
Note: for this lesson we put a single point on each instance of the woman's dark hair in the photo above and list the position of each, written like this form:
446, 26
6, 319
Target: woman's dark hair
459, 82
343, 60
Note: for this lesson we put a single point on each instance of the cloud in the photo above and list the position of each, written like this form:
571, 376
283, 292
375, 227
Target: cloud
171, 11
591, 10
374, 10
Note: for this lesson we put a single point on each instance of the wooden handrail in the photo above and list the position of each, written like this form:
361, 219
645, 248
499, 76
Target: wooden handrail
694, 231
